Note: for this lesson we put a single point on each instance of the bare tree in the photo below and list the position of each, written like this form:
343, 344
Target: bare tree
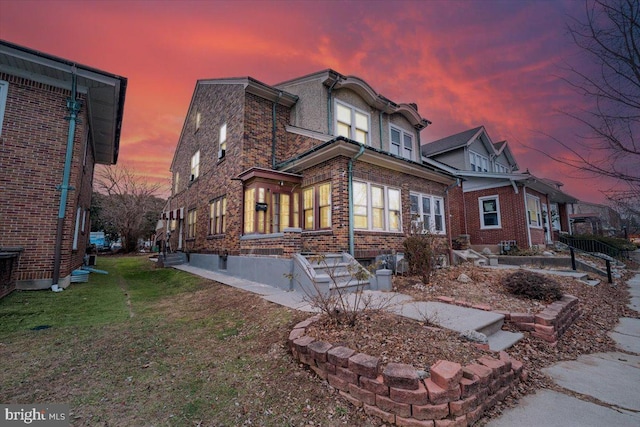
609, 37
130, 203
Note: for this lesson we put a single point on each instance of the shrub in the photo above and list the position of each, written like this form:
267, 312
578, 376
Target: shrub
533, 285
422, 251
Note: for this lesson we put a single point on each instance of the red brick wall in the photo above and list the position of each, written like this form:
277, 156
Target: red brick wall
32, 153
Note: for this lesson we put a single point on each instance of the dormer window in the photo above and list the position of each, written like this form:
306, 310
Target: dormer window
401, 143
500, 168
479, 163
352, 123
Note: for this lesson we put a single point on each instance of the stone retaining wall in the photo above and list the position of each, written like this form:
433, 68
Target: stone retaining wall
451, 395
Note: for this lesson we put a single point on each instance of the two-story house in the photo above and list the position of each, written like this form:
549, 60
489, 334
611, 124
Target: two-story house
320, 163
58, 119
497, 205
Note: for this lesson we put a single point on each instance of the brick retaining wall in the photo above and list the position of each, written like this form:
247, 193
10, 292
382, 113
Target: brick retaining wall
549, 325
453, 395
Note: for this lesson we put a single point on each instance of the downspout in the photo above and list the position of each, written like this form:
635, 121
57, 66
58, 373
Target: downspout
329, 109
448, 218
526, 214
350, 185
73, 106
273, 131
380, 127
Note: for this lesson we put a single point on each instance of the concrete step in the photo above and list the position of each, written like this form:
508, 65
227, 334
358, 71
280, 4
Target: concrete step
502, 340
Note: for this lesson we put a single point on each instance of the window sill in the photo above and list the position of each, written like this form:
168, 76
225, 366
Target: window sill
324, 231
494, 227
190, 239
363, 230
215, 236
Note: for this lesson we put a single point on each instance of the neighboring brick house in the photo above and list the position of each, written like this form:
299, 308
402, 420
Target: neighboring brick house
495, 204
320, 163
593, 218
50, 141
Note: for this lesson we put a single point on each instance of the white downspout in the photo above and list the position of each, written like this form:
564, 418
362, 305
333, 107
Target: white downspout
526, 215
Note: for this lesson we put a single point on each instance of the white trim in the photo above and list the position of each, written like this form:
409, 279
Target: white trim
387, 212
309, 133
432, 216
538, 211
482, 212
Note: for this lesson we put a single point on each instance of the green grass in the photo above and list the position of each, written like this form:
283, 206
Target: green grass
102, 300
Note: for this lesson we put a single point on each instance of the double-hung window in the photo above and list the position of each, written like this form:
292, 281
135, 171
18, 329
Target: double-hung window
479, 163
217, 215
427, 213
376, 207
352, 123
195, 165
316, 206
533, 211
270, 208
176, 182
489, 212
500, 168
191, 224
401, 143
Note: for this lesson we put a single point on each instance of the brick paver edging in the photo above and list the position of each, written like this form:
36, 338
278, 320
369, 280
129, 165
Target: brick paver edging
452, 395
549, 325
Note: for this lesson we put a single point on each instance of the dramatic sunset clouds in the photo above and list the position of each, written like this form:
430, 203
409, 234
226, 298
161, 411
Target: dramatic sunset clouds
465, 63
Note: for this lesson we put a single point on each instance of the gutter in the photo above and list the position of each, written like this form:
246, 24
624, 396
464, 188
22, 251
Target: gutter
73, 106
350, 185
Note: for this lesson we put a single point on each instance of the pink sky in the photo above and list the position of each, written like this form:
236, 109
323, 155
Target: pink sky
465, 63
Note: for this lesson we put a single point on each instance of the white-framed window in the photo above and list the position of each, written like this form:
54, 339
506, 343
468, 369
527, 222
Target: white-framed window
376, 207
534, 214
489, 212
222, 148
427, 213
500, 168
4, 90
176, 182
195, 165
401, 143
217, 215
352, 123
191, 224
479, 163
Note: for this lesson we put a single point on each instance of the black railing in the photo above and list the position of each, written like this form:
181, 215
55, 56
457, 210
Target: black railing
594, 246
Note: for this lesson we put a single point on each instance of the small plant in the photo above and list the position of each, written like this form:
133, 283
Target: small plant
422, 250
533, 285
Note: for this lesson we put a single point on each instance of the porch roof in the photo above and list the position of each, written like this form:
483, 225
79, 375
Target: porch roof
341, 146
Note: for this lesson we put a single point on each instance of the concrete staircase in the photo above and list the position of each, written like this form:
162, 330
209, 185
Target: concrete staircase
469, 255
329, 272
171, 259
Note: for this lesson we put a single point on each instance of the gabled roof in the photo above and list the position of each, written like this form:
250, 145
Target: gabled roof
465, 139
105, 91
451, 142
335, 80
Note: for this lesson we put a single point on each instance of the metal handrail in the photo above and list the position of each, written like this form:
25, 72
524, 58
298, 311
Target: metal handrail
594, 246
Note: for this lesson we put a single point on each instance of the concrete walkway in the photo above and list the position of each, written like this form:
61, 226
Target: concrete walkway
611, 380
459, 319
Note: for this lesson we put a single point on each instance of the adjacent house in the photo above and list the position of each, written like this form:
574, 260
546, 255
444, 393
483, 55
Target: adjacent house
317, 164
496, 206
593, 218
58, 119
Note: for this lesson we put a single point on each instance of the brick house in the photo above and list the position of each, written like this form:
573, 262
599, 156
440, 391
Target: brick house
58, 119
320, 163
495, 204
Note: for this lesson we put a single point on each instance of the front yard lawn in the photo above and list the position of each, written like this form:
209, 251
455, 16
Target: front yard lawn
145, 346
